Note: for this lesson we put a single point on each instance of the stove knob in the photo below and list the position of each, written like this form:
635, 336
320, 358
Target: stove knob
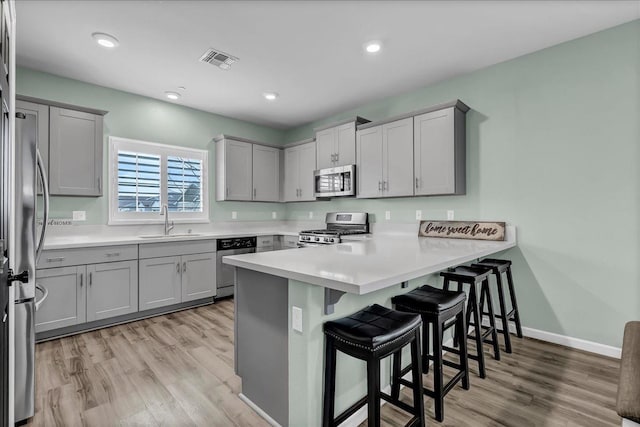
317, 239
326, 239
332, 239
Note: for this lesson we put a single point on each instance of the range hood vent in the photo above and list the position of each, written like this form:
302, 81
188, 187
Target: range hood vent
218, 58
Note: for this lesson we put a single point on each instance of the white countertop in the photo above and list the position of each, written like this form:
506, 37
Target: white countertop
364, 266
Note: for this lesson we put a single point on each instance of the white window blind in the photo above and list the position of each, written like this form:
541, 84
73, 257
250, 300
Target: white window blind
145, 176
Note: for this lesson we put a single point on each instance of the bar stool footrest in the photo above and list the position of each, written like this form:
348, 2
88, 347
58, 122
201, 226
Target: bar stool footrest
350, 411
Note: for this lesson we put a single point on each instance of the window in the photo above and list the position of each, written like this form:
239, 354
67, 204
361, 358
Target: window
144, 176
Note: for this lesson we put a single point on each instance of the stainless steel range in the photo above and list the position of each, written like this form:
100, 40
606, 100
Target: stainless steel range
338, 224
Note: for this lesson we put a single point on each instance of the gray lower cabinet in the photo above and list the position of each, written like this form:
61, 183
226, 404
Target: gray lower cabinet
198, 276
75, 152
160, 282
112, 289
65, 304
175, 279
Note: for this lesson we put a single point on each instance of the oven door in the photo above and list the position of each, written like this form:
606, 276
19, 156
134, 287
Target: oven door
334, 182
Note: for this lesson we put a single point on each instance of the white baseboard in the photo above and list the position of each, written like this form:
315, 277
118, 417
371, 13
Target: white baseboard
577, 343
259, 410
571, 342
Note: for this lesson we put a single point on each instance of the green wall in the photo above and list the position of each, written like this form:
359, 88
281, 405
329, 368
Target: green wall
553, 148
147, 119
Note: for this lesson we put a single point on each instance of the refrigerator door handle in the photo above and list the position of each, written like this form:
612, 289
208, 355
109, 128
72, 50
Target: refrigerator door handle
45, 215
45, 294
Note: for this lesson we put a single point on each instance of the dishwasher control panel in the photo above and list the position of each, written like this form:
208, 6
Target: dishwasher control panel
236, 243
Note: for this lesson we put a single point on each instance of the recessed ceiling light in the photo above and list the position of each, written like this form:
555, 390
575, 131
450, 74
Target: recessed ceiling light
373, 46
270, 96
174, 96
105, 40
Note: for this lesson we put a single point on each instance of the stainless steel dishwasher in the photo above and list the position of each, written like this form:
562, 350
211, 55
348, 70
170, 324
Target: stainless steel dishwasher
225, 274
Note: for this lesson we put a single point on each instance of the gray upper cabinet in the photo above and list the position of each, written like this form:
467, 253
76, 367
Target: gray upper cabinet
42, 132
247, 170
266, 173
385, 160
299, 165
112, 289
336, 146
75, 152
65, 302
439, 152
198, 276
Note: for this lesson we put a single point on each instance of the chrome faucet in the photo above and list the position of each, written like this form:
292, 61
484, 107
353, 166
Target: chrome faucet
167, 227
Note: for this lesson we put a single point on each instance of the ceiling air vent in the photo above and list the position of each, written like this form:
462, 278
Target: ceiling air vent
218, 58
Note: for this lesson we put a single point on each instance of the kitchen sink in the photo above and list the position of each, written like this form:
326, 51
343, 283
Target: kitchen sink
163, 236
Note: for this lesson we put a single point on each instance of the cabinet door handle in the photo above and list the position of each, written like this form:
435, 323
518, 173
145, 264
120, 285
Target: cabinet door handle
227, 193
90, 279
337, 156
385, 185
178, 268
254, 192
56, 259
379, 185
99, 185
184, 267
417, 183
81, 279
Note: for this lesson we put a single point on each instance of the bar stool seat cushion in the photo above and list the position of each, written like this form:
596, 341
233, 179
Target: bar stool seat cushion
372, 327
466, 273
427, 299
498, 265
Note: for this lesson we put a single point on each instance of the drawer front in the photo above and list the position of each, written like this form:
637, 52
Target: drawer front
79, 256
157, 250
290, 241
264, 241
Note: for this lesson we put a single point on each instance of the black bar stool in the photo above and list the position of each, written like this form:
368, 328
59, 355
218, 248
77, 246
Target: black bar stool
474, 276
371, 335
441, 309
498, 267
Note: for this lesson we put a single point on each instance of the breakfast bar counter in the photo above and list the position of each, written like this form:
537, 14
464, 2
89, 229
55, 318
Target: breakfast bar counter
283, 298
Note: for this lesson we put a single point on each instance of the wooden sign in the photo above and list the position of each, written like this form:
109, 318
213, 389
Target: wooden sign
474, 230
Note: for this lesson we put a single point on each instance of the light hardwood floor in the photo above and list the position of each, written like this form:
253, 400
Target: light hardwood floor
177, 370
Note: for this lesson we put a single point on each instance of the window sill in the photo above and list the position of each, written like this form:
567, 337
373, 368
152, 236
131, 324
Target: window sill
156, 222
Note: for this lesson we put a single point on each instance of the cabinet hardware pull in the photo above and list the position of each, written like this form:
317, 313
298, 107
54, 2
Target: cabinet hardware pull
379, 185
417, 183
254, 192
81, 279
337, 156
227, 192
56, 259
178, 268
99, 185
385, 185
90, 279
109, 255
184, 267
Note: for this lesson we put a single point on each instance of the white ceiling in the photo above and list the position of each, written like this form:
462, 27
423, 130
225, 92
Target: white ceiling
310, 52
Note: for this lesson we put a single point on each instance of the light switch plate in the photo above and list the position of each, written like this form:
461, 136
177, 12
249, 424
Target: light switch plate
234, 215
450, 215
274, 215
79, 215
418, 215
387, 215
296, 318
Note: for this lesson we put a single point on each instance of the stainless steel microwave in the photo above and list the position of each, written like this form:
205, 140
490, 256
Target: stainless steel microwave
335, 182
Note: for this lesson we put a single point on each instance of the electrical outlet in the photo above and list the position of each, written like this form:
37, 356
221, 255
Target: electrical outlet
450, 215
310, 215
296, 318
387, 215
274, 215
234, 215
418, 215
79, 215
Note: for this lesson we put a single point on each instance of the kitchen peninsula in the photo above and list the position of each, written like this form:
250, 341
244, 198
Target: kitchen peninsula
283, 298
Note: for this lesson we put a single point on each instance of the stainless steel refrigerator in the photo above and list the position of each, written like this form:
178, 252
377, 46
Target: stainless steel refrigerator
28, 241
